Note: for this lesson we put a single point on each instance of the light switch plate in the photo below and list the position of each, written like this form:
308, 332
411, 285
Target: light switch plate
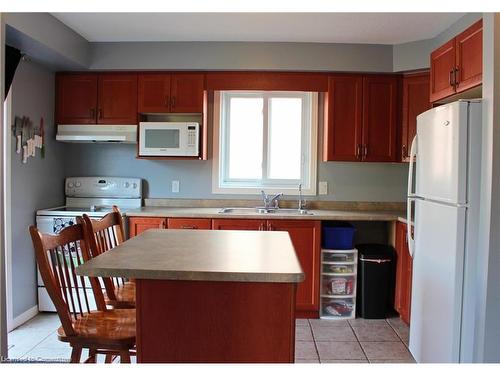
323, 188
175, 186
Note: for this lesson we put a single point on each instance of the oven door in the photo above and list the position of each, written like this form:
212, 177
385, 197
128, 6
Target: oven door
168, 139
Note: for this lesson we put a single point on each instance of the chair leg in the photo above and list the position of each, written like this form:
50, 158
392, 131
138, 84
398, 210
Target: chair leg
124, 356
92, 356
76, 353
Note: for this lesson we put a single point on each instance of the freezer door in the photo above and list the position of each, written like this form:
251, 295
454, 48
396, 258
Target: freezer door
441, 168
436, 304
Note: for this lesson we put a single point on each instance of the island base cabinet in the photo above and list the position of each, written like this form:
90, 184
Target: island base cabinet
215, 322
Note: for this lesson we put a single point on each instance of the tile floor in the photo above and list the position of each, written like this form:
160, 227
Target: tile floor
317, 341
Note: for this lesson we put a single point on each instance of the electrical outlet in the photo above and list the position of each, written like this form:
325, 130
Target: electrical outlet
175, 186
323, 188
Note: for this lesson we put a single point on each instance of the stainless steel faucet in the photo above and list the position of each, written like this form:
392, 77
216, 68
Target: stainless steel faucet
268, 201
302, 202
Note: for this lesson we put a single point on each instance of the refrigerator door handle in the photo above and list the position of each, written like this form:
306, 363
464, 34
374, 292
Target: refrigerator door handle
411, 240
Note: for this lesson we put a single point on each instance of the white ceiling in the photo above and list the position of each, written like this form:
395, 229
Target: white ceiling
374, 28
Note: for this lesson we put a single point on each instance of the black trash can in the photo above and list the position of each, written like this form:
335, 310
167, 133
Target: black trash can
375, 280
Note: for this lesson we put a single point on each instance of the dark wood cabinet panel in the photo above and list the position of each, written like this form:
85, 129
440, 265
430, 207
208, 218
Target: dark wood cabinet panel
76, 98
343, 111
306, 238
154, 93
442, 71
457, 65
380, 114
117, 99
404, 265
137, 225
415, 101
238, 224
469, 57
186, 93
188, 223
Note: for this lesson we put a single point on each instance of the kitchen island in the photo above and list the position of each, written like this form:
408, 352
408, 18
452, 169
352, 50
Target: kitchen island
209, 296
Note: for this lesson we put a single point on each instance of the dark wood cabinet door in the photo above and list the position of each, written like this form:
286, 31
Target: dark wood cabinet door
404, 264
154, 93
442, 71
137, 225
343, 110
117, 99
238, 224
306, 238
380, 114
469, 57
415, 101
186, 93
76, 98
189, 223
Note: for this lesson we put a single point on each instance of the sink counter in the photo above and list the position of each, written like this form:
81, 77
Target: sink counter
315, 214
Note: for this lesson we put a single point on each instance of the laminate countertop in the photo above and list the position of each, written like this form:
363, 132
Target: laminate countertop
246, 213
244, 256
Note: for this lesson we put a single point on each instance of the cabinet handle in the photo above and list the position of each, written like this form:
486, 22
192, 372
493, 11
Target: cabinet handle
99, 112
403, 152
164, 224
167, 101
92, 113
358, 151
269, 226
189, 227
451, 79
455, 74
173, 101
365, 151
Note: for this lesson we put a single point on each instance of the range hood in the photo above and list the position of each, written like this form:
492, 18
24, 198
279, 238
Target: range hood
97, 133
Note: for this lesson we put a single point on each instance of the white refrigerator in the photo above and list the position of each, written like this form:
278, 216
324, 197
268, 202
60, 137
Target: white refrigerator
443, 193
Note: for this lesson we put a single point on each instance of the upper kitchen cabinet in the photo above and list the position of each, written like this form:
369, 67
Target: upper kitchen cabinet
456, 66
343, 113
84, 98
380, 116
361, 115
76, 98
415, 101
171, 93
117, 98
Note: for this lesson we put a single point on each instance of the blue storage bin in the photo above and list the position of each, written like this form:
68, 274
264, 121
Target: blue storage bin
338, 235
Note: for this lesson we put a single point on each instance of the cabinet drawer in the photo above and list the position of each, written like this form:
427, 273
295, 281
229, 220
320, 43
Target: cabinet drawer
338, 268
338, 285
188, 223
335, 256
337, 307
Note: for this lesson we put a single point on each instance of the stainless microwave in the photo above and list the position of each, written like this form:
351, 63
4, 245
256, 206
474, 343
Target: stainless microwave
168, 139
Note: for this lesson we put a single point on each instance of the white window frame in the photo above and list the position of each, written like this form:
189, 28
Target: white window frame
220, 185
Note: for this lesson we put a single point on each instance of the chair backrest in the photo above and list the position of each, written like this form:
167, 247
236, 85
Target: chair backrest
57, 257
103, 235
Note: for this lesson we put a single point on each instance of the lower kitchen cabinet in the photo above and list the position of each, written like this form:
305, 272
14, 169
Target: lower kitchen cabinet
238, 224
306, 238
189, 223
404, 265
137, 225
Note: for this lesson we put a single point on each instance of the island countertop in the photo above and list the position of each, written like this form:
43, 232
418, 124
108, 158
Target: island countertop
246, 256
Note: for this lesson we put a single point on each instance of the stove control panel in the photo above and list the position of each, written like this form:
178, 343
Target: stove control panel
103, 187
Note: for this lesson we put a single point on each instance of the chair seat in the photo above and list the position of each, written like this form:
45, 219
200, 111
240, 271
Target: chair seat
113, 328
125, 296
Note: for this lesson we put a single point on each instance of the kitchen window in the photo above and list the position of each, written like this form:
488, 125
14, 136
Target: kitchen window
264, 140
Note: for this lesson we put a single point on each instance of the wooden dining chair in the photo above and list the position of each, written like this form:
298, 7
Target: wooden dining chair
102, 331
103, 235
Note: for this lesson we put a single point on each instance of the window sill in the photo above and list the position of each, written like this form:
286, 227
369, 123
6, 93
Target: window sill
267, 190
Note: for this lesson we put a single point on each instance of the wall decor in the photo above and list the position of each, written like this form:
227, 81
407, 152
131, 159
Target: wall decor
28, 137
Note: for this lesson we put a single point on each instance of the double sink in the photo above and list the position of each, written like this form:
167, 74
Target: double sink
264, 210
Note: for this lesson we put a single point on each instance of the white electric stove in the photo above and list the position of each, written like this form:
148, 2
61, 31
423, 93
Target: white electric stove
93, 196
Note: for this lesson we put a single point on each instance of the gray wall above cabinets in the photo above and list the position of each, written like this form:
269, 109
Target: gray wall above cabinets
241, 56
35, 185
